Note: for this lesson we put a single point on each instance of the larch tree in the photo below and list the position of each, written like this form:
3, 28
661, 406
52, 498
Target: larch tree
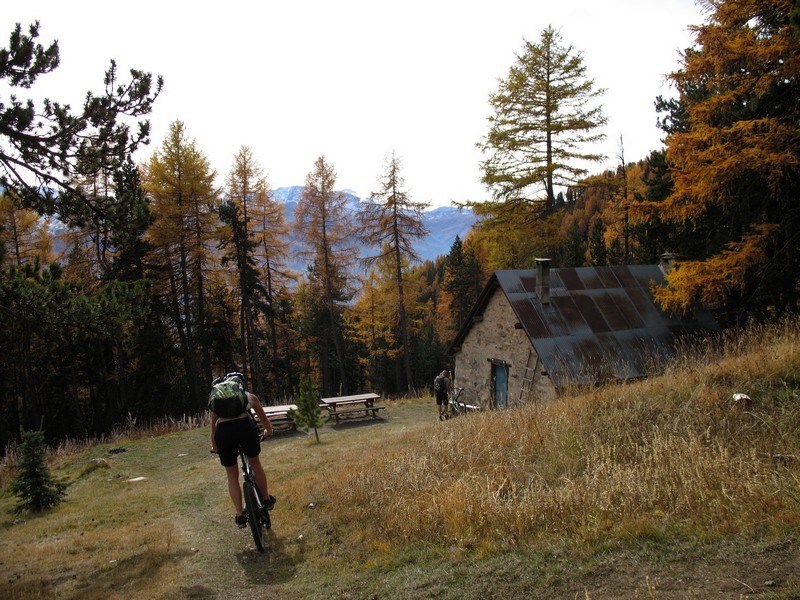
735, 160
324, 224
392, 222
370, 322
42, 149
513, 235
23, 236
239, 247
246, 188
180, 183
266, 226
272, 256
89, 238
545, 117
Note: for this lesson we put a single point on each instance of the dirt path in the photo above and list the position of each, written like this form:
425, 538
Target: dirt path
221, 561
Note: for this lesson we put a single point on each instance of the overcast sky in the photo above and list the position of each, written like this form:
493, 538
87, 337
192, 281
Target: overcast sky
356, 80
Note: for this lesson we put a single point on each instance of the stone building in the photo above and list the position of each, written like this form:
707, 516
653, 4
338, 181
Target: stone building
534, 333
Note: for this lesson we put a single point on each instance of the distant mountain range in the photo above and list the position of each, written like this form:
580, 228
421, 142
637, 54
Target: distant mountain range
443, 223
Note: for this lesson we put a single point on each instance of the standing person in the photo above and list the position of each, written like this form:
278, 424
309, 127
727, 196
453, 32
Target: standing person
232, 427
441, 389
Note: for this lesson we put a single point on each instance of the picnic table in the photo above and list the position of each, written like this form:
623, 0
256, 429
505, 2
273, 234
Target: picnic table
359, 405
279, 417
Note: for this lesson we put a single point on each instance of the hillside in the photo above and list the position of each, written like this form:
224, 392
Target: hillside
667, 488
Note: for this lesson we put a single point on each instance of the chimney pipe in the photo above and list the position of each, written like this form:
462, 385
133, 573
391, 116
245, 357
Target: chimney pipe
543, 279
666, 262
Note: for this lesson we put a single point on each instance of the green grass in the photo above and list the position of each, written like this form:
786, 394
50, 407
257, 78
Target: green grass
659, 489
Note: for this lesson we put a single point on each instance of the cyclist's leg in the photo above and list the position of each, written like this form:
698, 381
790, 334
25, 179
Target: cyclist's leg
227, 449
260, 475
252, 448
234, 489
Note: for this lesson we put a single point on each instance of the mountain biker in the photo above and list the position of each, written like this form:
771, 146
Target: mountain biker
228, 434
441, 390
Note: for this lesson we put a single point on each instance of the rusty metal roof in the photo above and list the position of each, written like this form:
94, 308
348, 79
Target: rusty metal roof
600, 325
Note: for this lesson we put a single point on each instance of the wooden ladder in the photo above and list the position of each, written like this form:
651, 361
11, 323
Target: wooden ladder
528, 377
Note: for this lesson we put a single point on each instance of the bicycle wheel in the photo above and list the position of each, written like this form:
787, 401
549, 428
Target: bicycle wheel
253, 516
261, 503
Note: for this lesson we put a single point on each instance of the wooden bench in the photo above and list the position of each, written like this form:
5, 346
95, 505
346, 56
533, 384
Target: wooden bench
351, 406
279, 417
354, 411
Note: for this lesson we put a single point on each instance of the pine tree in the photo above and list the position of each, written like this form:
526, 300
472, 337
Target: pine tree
573, 252
598, 253
463, 281
131, 218
308, 413
247, 189
42, 149
35, 487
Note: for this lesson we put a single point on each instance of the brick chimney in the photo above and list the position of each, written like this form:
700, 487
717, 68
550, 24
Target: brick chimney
543, 279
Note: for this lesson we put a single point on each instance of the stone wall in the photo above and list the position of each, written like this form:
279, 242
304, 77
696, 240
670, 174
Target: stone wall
494, 337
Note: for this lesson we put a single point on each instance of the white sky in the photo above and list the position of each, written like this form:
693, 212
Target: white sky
357, 79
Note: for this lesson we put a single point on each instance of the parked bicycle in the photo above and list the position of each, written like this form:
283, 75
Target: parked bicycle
455, 407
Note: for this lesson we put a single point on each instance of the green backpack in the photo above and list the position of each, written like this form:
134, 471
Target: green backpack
228, 398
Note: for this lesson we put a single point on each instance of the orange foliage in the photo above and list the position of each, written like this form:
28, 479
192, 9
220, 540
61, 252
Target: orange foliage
709, 282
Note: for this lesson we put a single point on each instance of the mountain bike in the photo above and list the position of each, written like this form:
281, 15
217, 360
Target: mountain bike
455, 407
255, 506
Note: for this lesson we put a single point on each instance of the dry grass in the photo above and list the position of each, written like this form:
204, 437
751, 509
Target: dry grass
131, 430
654, 489
114, 534
674, 454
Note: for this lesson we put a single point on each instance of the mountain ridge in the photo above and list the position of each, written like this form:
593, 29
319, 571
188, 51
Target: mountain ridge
443, 223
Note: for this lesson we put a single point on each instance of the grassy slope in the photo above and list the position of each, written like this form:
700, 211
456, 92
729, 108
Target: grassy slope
171, 535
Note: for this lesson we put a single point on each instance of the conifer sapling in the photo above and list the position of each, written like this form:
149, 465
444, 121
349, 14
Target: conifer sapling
308, 413
34, 485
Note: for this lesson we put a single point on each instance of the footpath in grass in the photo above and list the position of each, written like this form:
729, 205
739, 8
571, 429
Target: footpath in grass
150, 518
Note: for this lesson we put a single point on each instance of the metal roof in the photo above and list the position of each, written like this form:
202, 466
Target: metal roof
601, 323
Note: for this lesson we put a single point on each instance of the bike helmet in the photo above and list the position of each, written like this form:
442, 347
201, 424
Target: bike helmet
237, 376
233, 375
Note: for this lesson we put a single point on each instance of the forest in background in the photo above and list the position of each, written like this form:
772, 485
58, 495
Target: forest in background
168, 278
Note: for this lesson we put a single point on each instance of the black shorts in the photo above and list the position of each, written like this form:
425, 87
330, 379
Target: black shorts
440, 400
230, 435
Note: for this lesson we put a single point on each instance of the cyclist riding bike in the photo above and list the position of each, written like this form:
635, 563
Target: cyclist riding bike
238, 429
